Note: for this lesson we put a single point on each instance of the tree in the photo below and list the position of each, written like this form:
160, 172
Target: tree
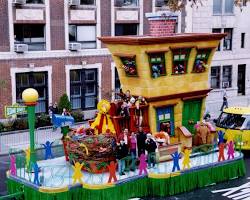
64, 103
177, 5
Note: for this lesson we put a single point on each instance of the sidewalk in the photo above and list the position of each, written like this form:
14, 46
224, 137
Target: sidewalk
20, 140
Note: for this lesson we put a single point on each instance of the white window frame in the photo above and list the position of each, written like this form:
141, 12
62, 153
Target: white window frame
97, 66
98, 23
14, 71
223, 9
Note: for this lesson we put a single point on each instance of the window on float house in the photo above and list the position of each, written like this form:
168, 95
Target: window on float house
129, 65
201, 59
180, 61
157, 64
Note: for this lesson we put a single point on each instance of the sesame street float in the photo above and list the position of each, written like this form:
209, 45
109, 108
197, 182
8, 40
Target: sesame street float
116, 157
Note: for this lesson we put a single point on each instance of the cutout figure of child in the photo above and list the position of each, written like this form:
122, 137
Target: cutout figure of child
77, 175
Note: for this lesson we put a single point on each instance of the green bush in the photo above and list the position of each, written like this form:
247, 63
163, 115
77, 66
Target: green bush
43, 120
64, 103
78, 115
21, 124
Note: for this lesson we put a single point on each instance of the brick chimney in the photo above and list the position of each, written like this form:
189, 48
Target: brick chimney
162, 23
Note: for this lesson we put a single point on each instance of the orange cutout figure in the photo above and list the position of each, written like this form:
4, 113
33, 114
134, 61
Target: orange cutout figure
112, 171
221, 152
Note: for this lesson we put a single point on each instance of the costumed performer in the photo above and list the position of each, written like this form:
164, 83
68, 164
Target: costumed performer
103, 123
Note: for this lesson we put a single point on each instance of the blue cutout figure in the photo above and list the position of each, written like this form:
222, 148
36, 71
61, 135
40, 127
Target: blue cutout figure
176, 156
48, 150
36, 174
221, 137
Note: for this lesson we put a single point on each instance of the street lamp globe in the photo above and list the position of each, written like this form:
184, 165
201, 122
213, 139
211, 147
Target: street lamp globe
30, 95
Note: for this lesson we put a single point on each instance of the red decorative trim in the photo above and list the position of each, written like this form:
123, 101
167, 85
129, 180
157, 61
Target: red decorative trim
182, 47
124, 55
200, 48
157, 51
30, 103
180, 95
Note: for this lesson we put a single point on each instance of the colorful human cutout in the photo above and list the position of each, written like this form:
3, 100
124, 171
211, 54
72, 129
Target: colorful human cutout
27, 156
48, 150
143, 164
13, 165
220, 137
230, 151
221, 152
112, 171
77, 175
36, 174
176, 156
186, 159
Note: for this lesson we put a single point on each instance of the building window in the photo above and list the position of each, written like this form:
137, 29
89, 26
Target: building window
87, 2
242, 45
84, 34
180, 60
83, 88
229, 6
217, 6
31, 34
126, 29
245, 2
157, 64
227, 44
36, 80
35, 1
227, 76
215, 77
228, 40
201, 59
129, 65
217, 30
122, 3
161, 3
117, 85
223, 7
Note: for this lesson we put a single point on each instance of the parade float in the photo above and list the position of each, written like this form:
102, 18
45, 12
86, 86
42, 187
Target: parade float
168, 76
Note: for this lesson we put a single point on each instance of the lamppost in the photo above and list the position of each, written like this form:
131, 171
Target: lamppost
30, 97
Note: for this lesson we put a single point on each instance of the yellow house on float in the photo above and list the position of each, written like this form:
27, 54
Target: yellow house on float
171, 72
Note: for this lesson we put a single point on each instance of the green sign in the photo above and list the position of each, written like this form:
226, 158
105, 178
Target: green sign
14, 110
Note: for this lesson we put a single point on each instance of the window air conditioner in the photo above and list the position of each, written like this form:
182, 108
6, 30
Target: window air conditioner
225, 84
74, 2
75, 46
20, 48
19, 2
